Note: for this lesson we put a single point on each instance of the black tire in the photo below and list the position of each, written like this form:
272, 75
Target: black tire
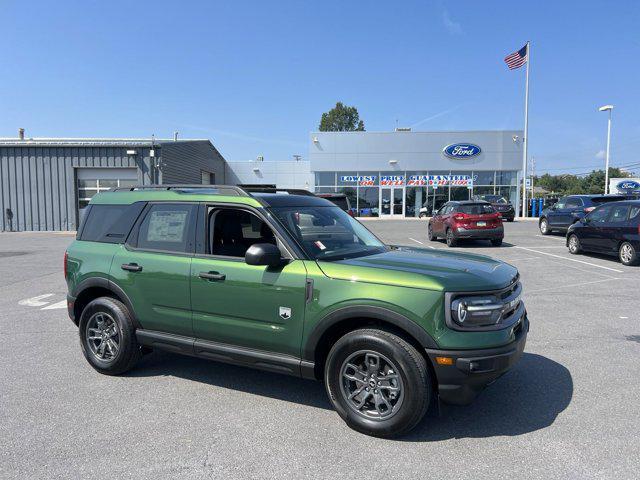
451, 240
510, 219
121, 333
414, 387
573, 243
544, 226
430, 234
628, 255
496, 242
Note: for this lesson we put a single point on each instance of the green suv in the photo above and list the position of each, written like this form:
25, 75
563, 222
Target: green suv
290, 283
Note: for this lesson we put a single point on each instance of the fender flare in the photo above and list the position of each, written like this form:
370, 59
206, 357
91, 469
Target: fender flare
364, 311
107, 284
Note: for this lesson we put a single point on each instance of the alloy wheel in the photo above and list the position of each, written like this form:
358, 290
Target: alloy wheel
626, 253
103, 336
371, 385
573, 244
543, 226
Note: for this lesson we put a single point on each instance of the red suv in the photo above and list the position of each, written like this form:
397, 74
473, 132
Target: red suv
468, 219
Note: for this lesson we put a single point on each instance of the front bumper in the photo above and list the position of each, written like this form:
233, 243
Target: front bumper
472, 370
479, 233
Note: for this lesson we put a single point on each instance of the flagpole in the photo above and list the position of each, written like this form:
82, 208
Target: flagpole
525, 140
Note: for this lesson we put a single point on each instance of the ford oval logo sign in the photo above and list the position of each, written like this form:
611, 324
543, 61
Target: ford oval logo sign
628, 185
462, 150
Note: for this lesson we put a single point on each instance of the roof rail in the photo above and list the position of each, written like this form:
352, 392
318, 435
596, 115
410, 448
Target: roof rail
269, 189
188, 188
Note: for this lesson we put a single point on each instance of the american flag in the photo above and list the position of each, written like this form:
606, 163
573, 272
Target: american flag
516, 59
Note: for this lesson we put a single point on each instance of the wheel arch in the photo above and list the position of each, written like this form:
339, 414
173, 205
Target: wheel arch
344, 320
96, 287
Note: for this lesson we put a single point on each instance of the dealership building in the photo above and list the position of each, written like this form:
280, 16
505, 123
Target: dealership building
45, 183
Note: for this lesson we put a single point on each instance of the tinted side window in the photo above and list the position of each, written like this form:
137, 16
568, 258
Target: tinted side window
634, 213
599, 215
560, 203
619, 213
168, 227
573, 203
233, 231
109, 223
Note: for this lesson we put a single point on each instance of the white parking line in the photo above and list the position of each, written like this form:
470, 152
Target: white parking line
35, 301
571, 259
417, 241
552, 238
56, 306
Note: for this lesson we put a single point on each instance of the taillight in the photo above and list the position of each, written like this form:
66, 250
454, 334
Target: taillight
460, 216
66, 256
588, 209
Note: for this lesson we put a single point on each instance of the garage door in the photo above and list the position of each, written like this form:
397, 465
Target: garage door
93, 180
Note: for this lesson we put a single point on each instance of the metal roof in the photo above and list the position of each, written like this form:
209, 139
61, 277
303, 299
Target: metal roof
90, 142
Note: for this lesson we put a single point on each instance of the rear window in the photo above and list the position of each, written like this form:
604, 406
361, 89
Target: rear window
109, 223
610, 198
339, 201
475, 209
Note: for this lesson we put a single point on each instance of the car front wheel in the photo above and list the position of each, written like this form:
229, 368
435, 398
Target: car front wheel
628, 255
378, 383
496, 242
574, 244
107, 336
430, 234
544, 227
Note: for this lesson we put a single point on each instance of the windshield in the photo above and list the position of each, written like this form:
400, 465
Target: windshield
328, 233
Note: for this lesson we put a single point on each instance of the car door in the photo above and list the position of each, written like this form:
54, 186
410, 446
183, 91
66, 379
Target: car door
436, 220
248, 306
592, 233
555, 213
614, 227
443, 215
154, 265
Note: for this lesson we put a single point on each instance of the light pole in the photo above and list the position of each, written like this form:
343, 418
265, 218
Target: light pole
606, 108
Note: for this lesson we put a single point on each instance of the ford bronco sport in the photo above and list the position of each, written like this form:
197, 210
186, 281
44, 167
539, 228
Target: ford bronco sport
292, 284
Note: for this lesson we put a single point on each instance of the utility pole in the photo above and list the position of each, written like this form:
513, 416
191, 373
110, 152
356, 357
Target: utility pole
533, 173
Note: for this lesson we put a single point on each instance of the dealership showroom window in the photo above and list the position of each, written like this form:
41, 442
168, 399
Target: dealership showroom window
404, 193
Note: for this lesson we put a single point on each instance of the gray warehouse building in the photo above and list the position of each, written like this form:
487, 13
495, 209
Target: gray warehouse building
45, 183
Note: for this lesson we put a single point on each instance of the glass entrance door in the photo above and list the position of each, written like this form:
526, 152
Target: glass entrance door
391, 201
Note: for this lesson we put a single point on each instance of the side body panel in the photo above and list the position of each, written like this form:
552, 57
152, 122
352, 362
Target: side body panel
88, 260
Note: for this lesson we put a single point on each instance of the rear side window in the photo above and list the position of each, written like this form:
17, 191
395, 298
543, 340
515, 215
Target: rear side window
573, 203
167, 227
619, 213
634, 213
109, 223
476, 209
341, 202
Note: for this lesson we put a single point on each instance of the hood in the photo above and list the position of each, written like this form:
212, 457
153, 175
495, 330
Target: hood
425, 268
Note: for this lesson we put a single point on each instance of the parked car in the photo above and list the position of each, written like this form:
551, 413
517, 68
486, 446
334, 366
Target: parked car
466, 219
568, 210
612, 229
501, 205
339, 199
291, 284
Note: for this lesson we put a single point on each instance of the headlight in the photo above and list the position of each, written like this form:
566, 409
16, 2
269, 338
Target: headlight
477, 311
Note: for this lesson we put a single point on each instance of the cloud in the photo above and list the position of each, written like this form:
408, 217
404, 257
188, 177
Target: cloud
454, 28
601, 154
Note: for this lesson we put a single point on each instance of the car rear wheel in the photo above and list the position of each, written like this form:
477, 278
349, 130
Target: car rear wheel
544, 227
628, 255
430, 234
496, 242
451, 240
378, 383
107, 336
574, 244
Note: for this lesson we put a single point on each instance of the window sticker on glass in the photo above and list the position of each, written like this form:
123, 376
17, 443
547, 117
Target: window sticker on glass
166, 226
320, 245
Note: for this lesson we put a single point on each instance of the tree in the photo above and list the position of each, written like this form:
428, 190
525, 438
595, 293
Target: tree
341, 118
593, 183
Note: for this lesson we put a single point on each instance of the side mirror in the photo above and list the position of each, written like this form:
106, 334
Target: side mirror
263, 254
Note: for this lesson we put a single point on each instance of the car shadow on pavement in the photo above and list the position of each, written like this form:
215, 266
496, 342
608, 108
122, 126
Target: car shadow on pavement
255, 382
528, 398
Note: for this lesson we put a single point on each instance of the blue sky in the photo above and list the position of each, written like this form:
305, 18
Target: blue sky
254, 77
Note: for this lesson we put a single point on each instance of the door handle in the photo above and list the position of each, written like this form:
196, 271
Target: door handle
131, 267
212, 276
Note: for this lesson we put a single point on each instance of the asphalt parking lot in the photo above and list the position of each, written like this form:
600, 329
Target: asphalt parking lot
568, 410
